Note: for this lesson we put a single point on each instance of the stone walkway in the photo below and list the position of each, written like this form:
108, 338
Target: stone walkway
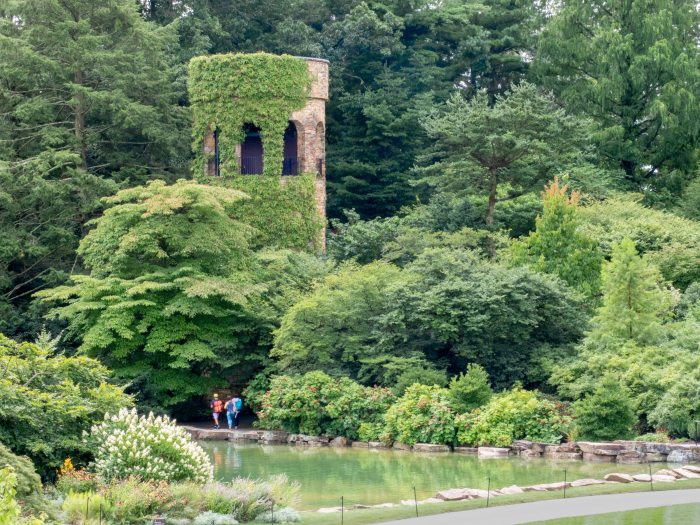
560, 508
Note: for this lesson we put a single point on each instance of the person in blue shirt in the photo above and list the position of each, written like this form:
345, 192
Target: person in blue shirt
233, 411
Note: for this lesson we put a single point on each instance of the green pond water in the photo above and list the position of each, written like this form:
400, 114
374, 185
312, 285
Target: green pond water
380, 476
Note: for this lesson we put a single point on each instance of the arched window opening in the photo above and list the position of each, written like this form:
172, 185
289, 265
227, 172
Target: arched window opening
251, 151
290, 164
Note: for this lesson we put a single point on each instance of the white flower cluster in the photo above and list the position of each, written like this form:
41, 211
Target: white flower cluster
152, 448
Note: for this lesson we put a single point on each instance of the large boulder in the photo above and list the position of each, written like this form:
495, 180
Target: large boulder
692, 468
559, 485
377, 444
617, 477
667, 472
401, 446
429, 447
599, 458
685, 473
601, 449
339, 441
684, 455
466, 450
631, 456
493, 452
586, 482
662, 478
461, 494
642, 477
565, 455
513, 489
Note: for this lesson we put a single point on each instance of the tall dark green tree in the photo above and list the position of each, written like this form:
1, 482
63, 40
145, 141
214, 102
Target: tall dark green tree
89, 96
633, 66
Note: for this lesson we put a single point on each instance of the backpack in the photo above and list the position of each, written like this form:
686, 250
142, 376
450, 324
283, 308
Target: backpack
217, 405
239, 404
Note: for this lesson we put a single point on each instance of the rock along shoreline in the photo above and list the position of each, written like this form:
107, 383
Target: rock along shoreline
625, 452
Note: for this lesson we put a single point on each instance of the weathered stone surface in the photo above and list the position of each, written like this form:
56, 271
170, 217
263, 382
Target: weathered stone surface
466, 450
619, 478
521, 444
376, 444
460, 494
663, 479
684, 455
642, 477
359, 506
685, 473
631, 456
429, 447
359, 444
328, 510
586, 482
531, 453
655, 457
667, 472
429, 500
589, 456
493, 452
340, 441
691, 468
565, 455
384, 506
601, 449
401, 446
559, 485
513, 489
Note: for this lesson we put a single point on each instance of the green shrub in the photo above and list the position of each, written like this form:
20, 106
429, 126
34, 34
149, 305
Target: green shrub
654, 437
47, 400
75, 480
607, 414
317, 403
283, 515
370, 431
212, 518
152, 448
27, 484
470, 389
517, 414
422, 376
421, 415
84, 508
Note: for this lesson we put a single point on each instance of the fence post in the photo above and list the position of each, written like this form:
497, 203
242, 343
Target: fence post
100, 513
342, 510
488, 492
87, 508
564, 483
651, 478
415, 499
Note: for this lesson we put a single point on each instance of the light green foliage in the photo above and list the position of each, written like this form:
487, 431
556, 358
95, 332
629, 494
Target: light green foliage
632, 65
470, 389
317, 403
10, 510
28, 490
283, 212
557, 247
148, 447
517, 414
166, 303
670, 242
422, 415
634, 304
369, 322
421, 373
501, 150
605, 415
266, 88
48, 399
654, 437
85, 508
335, 327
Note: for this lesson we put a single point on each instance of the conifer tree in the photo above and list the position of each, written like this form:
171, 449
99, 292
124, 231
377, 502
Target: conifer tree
633, 302
557, 247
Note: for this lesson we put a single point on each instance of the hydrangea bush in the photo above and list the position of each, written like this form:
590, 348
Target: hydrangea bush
152, 448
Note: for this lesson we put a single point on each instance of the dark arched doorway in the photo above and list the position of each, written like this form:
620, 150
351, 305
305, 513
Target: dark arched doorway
251, 151
290, 165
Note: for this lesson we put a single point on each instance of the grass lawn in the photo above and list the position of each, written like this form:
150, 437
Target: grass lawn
671, 515
369, 516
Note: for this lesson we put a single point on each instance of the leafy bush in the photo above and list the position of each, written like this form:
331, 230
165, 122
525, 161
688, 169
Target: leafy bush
27, 484
423, 376
283, 515
654, 437
317, 403
370, 431
10, 510
422, 415
85, 507
517, 414
212, 518
470, 390
71, 479
607, 414
153, 448
47, 400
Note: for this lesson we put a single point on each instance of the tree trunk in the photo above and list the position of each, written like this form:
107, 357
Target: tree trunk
80, 118
493, 186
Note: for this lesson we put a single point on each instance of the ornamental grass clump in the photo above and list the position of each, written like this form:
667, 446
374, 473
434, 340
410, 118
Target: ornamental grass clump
148, 447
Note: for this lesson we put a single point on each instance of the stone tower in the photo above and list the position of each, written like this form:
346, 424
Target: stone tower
304, 140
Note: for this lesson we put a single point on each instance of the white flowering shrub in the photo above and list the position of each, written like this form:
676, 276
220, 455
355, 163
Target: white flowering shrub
283, 515
212, 518
151, 448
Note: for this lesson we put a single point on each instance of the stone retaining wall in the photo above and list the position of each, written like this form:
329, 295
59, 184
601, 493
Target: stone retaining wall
612, 452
